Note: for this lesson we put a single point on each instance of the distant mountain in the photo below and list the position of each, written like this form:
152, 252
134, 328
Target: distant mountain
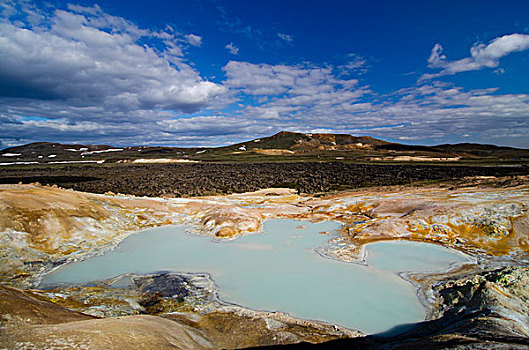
47, 147
480, 150
283, 146
307, 142
51, 152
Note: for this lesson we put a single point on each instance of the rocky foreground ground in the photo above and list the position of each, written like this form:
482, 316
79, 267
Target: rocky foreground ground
481, 305
185, 180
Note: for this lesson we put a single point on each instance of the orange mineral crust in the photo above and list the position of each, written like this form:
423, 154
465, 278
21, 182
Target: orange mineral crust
39, 223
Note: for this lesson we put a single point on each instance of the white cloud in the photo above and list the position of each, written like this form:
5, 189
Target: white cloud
194, 40
481, 55
216, 129
499, 71
446, 112
78, 62
82, 70
285, 37
354, 64
437, 59
75, 62
234, 50
304, 98
86, 76
205, 125
90, 76
265, 79
270, 114
302, 91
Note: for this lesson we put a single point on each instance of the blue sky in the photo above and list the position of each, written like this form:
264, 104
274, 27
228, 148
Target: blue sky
207, 73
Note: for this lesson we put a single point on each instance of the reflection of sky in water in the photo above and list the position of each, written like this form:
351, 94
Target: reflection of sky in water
279, 271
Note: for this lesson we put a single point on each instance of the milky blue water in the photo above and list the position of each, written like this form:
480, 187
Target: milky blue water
280, 271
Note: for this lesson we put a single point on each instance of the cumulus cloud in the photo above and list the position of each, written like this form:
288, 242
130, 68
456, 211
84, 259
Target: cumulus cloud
290, 92
207, 125
437, 59
75, 60
80, 65
234, 50
194, 40
481, 55
305, 98
216, 130
78, 74
265, 79
442, 112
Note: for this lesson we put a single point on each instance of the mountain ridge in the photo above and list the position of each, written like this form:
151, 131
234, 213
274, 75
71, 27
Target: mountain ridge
294, 145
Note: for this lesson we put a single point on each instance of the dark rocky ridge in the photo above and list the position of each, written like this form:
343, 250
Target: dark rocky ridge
175, 180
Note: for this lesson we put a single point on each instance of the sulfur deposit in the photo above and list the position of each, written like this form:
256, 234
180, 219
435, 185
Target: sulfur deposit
41, 227
44, 227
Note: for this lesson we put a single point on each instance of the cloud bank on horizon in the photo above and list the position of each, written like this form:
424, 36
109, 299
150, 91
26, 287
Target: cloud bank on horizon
80, 74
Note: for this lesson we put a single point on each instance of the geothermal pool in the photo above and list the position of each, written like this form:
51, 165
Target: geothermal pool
280, 271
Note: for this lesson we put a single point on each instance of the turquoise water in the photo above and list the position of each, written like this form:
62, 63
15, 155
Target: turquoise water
399, 256
279, 271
